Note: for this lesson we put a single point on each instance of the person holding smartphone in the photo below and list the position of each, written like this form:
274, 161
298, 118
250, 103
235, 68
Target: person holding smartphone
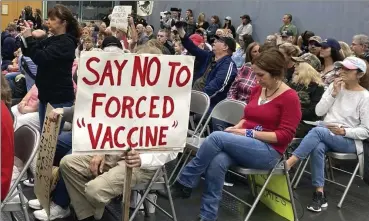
54, 57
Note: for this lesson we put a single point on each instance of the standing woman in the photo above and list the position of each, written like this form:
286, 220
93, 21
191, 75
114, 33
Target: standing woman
54, 57
38, 19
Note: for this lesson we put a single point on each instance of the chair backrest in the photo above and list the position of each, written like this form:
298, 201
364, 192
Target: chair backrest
229, 111
26, 140
200, 103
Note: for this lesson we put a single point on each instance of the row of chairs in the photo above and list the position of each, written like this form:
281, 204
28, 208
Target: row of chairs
231, 111
228, 111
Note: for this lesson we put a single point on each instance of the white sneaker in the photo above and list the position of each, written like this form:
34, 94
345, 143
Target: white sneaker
34, 204
30, 182
56, 212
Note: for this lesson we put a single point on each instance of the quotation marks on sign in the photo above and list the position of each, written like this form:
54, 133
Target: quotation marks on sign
175, 124
82, 121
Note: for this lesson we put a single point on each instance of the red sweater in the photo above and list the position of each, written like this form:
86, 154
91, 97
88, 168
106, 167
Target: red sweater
7, 149
281, 115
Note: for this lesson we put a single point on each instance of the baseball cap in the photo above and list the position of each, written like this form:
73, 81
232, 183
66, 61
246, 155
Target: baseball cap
331, 43
246, 17
287, 33
316, 38
230, 42
197, 39
351, 63
310, 59
228, 18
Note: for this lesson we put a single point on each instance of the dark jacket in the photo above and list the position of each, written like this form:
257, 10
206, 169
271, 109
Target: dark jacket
221, 76
54, 57
309, 98
170, 47
8, 46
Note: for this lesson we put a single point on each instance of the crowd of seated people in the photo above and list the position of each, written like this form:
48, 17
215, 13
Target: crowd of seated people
292, 78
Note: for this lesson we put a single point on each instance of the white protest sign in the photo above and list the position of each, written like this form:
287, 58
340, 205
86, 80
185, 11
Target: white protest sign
144, 8
119, 16
129, 100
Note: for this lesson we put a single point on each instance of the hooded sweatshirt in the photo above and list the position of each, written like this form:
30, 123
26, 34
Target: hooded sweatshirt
8, 46
54, 57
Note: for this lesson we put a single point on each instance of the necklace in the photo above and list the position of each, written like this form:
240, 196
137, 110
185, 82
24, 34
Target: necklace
263, 101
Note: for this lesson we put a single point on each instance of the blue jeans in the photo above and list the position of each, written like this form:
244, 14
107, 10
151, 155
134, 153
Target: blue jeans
11, 77
42, 111
317, 142
64, 147
218, 152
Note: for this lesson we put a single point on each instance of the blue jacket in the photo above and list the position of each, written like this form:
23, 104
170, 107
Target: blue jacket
219, 79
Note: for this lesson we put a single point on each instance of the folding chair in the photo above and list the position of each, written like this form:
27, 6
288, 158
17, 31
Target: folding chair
154, 184
338, 156
277, 170
229, 111
200, 103
26, 141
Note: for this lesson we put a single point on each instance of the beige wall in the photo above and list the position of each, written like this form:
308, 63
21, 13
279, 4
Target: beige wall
14, 10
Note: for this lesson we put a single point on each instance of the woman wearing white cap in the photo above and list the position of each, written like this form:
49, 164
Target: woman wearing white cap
228, 25
346, 124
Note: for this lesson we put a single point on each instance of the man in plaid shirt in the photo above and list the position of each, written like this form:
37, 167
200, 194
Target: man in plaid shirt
242, 85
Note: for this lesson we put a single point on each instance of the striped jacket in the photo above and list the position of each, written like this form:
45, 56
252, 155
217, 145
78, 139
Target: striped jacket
220, 77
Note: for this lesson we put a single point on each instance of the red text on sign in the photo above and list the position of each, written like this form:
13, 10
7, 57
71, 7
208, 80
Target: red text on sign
128, 107
107, 74
147, 136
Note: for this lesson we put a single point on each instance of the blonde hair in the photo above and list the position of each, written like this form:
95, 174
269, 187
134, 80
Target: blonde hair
201, 14
146, 49
290, 49
345, 49
305, 74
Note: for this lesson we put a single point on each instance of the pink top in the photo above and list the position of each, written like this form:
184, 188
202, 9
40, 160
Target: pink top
33, 99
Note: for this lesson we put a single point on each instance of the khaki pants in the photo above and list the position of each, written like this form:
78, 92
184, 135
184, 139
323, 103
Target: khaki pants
89, 194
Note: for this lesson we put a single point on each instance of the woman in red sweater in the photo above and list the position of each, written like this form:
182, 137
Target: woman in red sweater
257, 141
7, 149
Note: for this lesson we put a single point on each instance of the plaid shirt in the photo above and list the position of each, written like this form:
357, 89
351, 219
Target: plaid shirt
242, 85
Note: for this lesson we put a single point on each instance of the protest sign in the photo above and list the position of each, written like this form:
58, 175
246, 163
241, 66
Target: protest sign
45, 159
119, 16
144, 8
276, 195
132, 101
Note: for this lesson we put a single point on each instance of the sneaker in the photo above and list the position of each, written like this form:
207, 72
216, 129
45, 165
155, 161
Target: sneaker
56, 212
35, 204
30, 182
319, 202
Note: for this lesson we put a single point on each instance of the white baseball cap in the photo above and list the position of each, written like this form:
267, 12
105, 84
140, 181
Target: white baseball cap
228, 18
351, 63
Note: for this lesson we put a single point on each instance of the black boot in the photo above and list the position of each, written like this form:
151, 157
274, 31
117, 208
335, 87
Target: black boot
180, 191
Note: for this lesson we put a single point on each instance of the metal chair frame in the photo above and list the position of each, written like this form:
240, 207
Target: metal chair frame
7, 205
